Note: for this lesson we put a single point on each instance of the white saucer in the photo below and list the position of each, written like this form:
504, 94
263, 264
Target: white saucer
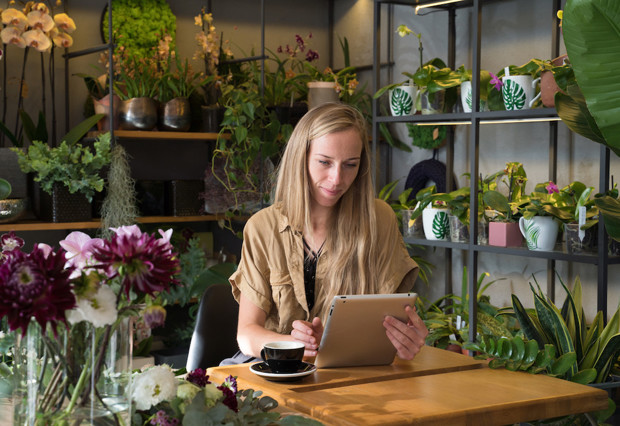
263, 370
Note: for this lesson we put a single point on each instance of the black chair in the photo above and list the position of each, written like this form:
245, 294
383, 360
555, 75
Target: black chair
215, 333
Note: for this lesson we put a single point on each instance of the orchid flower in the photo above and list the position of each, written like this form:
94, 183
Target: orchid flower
552, 188
64, 22
15, 18
13, 35
40, 20
62, 39
496, 82
37, 39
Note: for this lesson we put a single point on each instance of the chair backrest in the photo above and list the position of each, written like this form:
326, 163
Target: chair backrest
215, 333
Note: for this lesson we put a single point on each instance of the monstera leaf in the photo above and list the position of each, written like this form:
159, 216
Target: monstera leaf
592, 37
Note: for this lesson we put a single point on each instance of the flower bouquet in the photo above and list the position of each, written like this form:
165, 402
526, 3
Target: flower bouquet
73, 307
163, 398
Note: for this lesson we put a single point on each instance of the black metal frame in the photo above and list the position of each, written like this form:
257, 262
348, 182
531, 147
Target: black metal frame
601, 259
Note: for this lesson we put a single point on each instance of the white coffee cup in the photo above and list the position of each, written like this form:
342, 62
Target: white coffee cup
518, 92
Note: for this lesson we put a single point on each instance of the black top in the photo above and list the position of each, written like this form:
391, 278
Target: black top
310, 260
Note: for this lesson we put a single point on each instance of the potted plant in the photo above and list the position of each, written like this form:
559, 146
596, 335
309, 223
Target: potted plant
466, 93
137, 85
503, 226
557, 341
174, 90
447, 318
11, 209
540, 215
68, 174
580, 224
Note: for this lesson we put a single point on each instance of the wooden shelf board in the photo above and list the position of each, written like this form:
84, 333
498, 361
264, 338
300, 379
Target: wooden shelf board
144, 135
33, 225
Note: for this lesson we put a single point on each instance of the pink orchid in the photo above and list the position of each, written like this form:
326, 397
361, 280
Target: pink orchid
496, 82
552, 188
128, 230
45, 248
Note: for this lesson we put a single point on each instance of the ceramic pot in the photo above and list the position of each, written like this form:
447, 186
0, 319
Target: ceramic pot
175, 115
321, 92
402, 100
12, 209
540, 232
518, 92
102, 106
467, 98
63, 206
505, 234
137, 114
436, 224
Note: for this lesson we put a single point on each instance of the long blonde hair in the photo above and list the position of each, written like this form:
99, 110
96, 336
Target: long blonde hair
350, 247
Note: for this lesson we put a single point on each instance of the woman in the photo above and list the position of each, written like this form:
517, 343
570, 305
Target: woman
325, 235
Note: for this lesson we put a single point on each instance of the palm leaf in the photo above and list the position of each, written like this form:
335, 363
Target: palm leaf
531, 331
592, 37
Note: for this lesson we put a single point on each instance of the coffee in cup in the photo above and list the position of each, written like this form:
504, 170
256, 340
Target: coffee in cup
283, 357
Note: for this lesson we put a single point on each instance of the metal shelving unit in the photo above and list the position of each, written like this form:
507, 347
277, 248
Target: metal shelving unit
474, 120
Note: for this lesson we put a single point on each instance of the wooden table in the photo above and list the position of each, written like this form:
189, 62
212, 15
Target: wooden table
438, 387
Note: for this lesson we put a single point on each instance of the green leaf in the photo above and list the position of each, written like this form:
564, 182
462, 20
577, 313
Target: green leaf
592, 38
77, 132
564, 364
584, 376
5, 189
610, 209
531, 331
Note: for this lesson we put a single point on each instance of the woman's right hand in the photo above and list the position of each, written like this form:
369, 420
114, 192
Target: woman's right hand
309, 333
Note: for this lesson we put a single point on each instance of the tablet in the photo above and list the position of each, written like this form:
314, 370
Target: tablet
354, 334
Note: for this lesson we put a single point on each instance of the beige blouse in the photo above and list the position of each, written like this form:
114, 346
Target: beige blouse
271, 273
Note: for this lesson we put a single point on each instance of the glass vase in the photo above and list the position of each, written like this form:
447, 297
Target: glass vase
74, 376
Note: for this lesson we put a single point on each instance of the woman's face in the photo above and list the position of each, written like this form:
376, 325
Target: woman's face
333, 164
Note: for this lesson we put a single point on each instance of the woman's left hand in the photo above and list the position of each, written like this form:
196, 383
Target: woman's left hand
407, 338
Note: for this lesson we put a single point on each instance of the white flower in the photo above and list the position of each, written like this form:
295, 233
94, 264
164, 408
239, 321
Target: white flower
99, 310
153, 386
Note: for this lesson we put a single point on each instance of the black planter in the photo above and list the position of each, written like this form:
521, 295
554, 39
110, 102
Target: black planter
183, 197
62, 206
212, 116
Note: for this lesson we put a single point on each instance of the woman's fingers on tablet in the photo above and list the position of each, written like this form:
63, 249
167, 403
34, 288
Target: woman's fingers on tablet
406, 338
304, 332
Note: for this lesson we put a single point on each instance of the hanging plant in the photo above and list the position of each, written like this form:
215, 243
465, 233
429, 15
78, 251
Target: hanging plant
427, 137
138, 30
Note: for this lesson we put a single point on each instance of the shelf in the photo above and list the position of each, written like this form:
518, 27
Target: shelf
95, 223
485, 117
157, 135
558, 254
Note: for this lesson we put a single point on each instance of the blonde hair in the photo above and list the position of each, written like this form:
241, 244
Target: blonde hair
350, 245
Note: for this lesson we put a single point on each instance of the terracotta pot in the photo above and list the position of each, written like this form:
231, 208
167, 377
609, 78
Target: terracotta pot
548, 86
102, 106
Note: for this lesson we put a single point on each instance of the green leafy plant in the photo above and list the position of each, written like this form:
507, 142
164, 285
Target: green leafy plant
447, 318
181, 81
139, 31
137, 78
545, 201
506, 208
70, 164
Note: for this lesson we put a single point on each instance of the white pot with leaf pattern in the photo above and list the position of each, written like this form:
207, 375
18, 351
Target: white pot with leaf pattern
540, 232
436, 224
518, 92
467, 98
402, 100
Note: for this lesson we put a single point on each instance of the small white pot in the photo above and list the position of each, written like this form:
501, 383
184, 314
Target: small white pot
402, 100
540, 232
436, 224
